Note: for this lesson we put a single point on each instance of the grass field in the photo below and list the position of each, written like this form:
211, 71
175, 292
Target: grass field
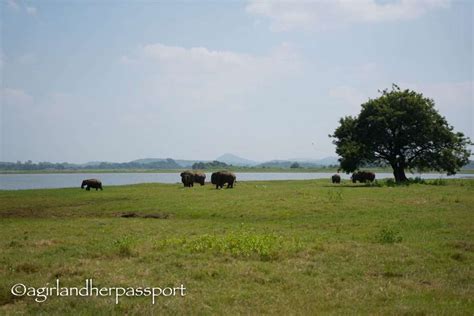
276, 247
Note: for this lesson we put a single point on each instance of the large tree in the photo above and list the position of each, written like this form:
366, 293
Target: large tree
402, 129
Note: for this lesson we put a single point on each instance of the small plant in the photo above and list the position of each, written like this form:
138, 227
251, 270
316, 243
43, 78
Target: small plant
124, 246
438, 182
417, 180
388, 236
376, 184
247, 245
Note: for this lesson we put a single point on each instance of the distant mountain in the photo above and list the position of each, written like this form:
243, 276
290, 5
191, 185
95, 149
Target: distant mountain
329, 161
232, 159
148, 160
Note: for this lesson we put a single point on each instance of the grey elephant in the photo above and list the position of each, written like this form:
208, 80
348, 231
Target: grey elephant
187, 178
336, 178
91, 183
199, 177
220, 178
363, 176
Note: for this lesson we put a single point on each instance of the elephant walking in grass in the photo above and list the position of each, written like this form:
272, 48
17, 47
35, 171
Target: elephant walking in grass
222, 177
187, 178
199, 177
91, 183
363, 176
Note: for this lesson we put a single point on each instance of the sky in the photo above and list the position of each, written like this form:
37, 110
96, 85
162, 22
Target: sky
117, 81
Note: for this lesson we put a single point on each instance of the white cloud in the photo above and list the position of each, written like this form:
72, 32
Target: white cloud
13, 4
17, 5
351, 96
197, 77
31, 10
324, 14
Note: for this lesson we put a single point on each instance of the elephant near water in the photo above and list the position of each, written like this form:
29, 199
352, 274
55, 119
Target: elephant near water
188, 178
220, 178
363, 176
336, 178
91, 183
199, 177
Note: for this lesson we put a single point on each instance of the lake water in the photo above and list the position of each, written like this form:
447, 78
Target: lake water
70, 180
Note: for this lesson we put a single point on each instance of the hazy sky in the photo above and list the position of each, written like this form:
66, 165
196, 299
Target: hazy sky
97, 80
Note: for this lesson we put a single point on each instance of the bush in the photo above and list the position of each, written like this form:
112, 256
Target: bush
437, 182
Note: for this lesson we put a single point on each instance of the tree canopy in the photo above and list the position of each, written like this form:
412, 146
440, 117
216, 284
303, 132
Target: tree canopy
403, 129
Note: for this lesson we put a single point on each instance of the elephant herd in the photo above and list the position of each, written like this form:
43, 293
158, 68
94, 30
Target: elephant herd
219, 178
361, 176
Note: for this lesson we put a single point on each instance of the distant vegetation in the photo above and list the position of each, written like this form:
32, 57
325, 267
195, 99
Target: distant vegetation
29, 165
150, 165
284, 164
210, 165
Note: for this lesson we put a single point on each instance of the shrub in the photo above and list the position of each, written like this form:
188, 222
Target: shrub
437, 182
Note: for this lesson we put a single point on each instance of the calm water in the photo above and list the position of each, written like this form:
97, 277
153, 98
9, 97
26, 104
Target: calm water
69, 180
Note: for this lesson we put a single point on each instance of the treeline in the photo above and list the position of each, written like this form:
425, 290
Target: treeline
292, 164
29, 165
164, 164
210, 165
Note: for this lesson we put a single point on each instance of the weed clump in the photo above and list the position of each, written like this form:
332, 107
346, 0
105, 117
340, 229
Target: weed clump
124, 246
388, 236
242, 245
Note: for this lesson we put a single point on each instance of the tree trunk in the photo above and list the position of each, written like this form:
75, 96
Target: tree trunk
399, 173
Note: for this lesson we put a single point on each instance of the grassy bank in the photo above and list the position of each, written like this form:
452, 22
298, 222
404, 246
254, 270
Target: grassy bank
281, 247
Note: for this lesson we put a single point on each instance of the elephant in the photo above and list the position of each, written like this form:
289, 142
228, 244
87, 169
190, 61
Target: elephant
199, 177
363, 176
336, 178
91, 183
187, 177
220, 178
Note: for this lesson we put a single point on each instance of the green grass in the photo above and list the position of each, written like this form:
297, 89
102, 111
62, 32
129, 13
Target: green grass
273, 247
